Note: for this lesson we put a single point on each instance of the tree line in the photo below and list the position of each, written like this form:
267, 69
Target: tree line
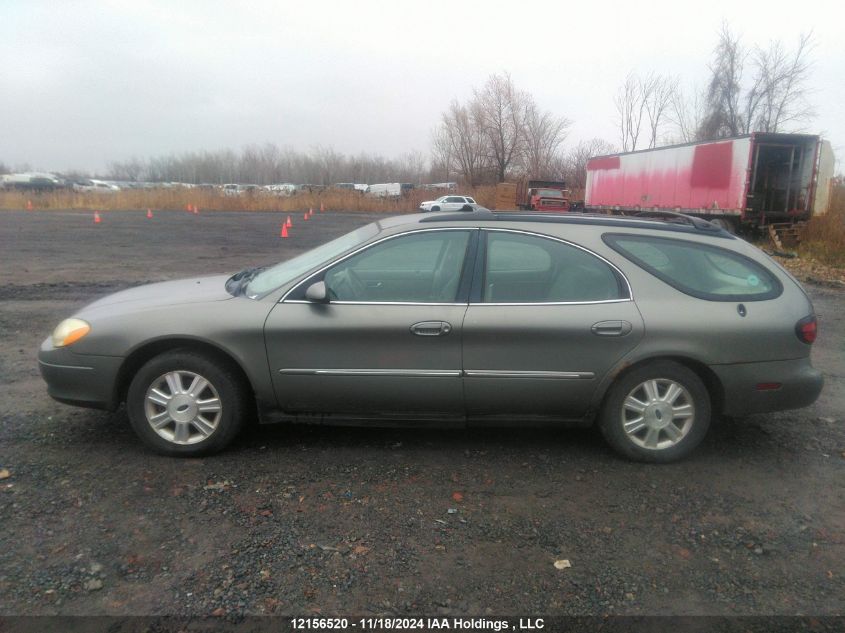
268, 164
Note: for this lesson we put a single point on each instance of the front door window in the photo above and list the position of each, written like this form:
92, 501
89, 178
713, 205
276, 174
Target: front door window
423, 267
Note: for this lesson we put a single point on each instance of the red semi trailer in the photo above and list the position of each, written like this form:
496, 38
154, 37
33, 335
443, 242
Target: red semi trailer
751, 180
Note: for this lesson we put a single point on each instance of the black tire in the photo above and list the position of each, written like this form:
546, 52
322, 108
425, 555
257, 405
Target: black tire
223, 385
614, 412
435, 208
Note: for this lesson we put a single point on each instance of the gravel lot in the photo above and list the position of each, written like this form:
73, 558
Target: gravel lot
301, 520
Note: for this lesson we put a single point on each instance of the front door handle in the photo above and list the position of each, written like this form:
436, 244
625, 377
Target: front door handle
611, 328
431, 328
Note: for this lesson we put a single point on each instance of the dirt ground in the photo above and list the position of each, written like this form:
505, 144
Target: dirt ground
301, 520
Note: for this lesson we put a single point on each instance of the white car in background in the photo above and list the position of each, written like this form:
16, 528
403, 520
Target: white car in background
449, 203
99, 186
284, 189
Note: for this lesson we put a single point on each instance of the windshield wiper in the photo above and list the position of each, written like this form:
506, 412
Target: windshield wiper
236, 284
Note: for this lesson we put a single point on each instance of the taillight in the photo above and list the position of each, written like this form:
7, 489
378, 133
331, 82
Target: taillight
807, 329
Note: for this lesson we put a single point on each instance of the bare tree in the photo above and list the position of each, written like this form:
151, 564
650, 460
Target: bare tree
130, 170
723, 116
687, 115
466, 139
575, 171
544, 133
657, 92
412, 166
782, 79
630, 110
500, 132
330, 165
641, 108
441, 155
501, 110
775, 98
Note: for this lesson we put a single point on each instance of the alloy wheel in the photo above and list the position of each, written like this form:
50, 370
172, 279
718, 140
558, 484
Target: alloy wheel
183, 407
658, 413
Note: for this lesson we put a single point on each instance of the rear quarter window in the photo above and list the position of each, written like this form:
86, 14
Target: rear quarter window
699, 270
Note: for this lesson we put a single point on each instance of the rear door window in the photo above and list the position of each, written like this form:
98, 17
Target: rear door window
700, 270
525, 268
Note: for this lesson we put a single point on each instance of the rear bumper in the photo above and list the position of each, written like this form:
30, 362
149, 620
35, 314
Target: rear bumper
800, 386
79, 379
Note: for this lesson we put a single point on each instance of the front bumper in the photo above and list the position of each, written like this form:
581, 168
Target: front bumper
79, 379
800, 386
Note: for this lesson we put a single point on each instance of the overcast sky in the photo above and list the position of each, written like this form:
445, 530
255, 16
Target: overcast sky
85, 83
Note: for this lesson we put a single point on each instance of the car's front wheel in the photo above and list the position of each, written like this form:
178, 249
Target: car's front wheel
435, 208
184, 403
656, 413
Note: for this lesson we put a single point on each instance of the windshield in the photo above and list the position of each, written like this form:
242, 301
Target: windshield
550, 193
280, 274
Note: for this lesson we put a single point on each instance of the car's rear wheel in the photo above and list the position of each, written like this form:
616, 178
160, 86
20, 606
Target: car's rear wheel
184, 403
656, 413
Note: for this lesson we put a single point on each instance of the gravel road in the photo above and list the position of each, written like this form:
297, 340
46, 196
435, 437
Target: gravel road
302, 520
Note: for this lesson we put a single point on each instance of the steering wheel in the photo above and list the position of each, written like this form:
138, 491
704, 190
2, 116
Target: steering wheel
359, 288
347, 286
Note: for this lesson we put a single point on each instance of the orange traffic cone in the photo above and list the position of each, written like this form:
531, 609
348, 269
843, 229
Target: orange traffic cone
196, 209
288, 223
149, 214
29, 205
284, 232
96, 217
310, 213
305, 215
188, 208
322, 207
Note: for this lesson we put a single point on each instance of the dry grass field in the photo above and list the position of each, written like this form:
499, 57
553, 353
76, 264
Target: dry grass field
179, 198
824, 238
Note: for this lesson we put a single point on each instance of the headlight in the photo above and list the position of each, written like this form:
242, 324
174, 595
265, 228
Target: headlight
69, 331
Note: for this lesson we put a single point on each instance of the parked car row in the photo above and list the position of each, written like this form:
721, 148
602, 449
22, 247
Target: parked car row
99, 186
36, 181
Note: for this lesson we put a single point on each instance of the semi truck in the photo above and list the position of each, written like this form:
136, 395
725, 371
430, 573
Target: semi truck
533, 195
745, 181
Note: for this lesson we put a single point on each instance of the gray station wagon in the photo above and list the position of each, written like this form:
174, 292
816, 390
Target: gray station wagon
646, 327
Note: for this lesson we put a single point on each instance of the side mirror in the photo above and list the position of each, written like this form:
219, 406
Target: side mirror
317, 293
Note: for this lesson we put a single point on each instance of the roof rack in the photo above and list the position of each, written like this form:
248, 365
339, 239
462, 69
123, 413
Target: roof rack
656, 220
674, 216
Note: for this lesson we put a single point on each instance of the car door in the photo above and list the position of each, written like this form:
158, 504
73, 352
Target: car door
453, 203
388, 341
547, 319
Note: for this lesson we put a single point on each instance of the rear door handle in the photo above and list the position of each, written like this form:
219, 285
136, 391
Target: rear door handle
611, 328
431, 328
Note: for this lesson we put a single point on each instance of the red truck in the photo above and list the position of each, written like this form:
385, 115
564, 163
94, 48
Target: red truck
542, 195
750, 180
533, 195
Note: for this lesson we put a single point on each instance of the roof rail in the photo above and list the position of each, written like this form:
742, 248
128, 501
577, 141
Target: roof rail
698, 223
656, 220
